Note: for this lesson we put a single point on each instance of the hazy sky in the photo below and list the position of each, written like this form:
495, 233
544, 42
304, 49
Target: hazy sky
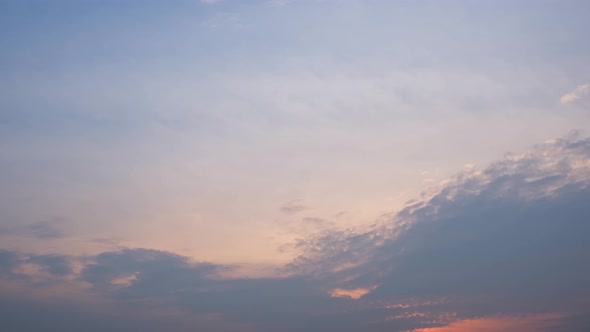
294, 165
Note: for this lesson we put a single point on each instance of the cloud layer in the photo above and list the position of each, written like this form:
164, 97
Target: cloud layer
503, 246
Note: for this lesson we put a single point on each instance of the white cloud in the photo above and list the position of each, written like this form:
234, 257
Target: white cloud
579, 92
209, 2
279, 2
223, 20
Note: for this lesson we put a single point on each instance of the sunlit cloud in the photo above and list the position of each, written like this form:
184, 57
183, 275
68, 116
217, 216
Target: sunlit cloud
580, 91
125, 281
527, 323
352, 293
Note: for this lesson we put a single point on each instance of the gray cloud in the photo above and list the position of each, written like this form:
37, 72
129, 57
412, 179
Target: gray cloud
506, 240
54, 264
154, 273
8, 260
175, 280
23, 314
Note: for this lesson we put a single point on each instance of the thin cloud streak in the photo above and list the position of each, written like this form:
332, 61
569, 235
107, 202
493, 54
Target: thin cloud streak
579, 92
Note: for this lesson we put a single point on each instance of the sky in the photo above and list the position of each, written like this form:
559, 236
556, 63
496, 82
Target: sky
294, 165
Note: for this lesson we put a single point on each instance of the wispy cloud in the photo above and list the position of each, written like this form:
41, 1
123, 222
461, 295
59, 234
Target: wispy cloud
580, 91
279, 3
223, 21
293, 206
43, 230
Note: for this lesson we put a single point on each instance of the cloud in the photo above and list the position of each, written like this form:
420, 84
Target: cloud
279, 3
8, 260
579, 92
21, 312
293, 206
223, 21
352, 293
43, 230
54, 264
506, 240
210, 2
32, 269
146, 272
142, 274
109, 242
504, 247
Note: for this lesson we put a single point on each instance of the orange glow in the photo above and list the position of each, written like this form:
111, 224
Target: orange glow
124, 281
356, 293
507, 324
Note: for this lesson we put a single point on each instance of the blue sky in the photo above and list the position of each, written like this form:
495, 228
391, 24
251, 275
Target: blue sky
281, 147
